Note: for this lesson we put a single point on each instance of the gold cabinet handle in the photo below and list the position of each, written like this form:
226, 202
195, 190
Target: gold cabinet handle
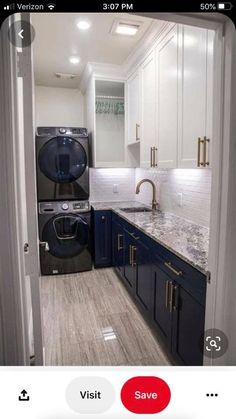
153, 161
130, 255
134, 249
173, 269
154, 158
206, 163
175, 304
151, 157
171, 297
137, 136
199, 162
167, 293
119, 246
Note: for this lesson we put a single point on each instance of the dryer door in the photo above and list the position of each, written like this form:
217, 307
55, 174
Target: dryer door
62, 159
67, 235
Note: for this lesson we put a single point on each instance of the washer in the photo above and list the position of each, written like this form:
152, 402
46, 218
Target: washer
62, 163
65, 237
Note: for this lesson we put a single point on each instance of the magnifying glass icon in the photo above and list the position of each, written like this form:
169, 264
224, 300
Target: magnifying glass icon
213, 343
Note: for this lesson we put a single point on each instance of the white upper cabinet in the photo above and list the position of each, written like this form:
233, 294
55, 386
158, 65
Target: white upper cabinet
148, 141
167, 99
133, 104
195, 96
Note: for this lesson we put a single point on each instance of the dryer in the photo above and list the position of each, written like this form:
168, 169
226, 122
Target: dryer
62, 163
65, 237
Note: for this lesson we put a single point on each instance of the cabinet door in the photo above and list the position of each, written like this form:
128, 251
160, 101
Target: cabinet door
167, 95
162, 314
118, 246
188, 328
148, 142
195, 92
144, 280
102, 238
133, 92
129, 266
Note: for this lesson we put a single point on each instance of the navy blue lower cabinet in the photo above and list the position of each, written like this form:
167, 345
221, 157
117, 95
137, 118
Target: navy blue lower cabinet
170, 291
179, 317
102, 239
118, 245
187, 328
162, 312
144, 281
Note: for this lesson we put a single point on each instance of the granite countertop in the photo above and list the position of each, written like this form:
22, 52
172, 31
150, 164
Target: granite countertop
185, 239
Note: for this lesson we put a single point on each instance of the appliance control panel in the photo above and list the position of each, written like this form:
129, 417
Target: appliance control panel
51, 131
64, 207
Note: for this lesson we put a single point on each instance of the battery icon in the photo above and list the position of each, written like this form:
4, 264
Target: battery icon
224, 6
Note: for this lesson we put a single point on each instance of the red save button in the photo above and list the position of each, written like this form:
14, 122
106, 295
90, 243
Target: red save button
145, 395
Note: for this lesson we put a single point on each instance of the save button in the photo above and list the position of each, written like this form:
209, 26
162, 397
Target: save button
145, 395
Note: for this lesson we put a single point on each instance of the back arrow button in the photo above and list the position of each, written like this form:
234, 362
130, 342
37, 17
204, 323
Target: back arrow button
20, 34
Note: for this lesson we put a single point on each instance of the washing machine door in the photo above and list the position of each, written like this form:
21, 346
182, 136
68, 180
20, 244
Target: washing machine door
62, 159
67, 235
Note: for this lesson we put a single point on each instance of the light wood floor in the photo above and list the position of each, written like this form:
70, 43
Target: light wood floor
90, 319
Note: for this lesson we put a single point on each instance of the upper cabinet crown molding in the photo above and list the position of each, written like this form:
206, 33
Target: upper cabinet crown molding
146, 44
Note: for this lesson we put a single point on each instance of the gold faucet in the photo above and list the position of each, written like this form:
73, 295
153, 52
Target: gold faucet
154, 201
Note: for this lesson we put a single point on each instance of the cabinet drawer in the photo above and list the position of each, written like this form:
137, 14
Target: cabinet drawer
183, 274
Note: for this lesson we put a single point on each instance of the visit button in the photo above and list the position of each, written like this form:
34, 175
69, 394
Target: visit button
145, 395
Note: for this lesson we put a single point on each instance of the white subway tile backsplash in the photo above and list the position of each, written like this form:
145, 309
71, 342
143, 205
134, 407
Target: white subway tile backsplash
194, 184
102, 183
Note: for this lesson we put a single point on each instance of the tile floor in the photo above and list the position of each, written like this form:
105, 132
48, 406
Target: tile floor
90, 319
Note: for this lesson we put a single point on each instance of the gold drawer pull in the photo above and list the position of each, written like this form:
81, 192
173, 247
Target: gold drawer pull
172, 269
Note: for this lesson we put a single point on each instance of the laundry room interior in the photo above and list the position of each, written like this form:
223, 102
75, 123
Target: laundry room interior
123, 144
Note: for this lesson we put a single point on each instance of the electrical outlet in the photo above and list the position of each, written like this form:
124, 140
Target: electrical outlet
115, 188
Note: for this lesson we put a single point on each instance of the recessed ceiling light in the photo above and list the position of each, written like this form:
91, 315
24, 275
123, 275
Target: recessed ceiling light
74, 60
83, 25
126, 29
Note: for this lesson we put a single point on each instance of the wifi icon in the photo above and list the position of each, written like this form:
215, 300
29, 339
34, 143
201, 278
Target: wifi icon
51, 6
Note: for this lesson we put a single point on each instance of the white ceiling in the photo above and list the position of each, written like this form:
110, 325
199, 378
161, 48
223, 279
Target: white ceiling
57, 38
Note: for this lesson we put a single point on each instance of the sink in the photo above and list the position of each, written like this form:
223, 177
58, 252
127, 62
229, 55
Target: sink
136, 209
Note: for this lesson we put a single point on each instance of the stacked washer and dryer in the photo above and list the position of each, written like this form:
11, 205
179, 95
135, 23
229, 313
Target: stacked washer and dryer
64, 213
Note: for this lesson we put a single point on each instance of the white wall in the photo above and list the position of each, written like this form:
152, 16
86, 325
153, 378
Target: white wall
193, 184
102, 181
55, 106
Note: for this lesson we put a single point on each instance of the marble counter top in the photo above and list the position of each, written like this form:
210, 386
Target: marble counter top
184, 238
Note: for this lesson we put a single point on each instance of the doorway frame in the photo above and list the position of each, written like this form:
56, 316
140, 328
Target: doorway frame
223, 95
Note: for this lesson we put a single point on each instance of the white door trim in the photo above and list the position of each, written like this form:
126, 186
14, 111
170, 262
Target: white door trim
18, 126
12, 291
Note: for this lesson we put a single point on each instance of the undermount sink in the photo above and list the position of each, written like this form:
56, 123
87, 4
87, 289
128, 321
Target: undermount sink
136, 209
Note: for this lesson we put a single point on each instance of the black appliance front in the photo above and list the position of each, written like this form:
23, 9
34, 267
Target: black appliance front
62, 164
65, 240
